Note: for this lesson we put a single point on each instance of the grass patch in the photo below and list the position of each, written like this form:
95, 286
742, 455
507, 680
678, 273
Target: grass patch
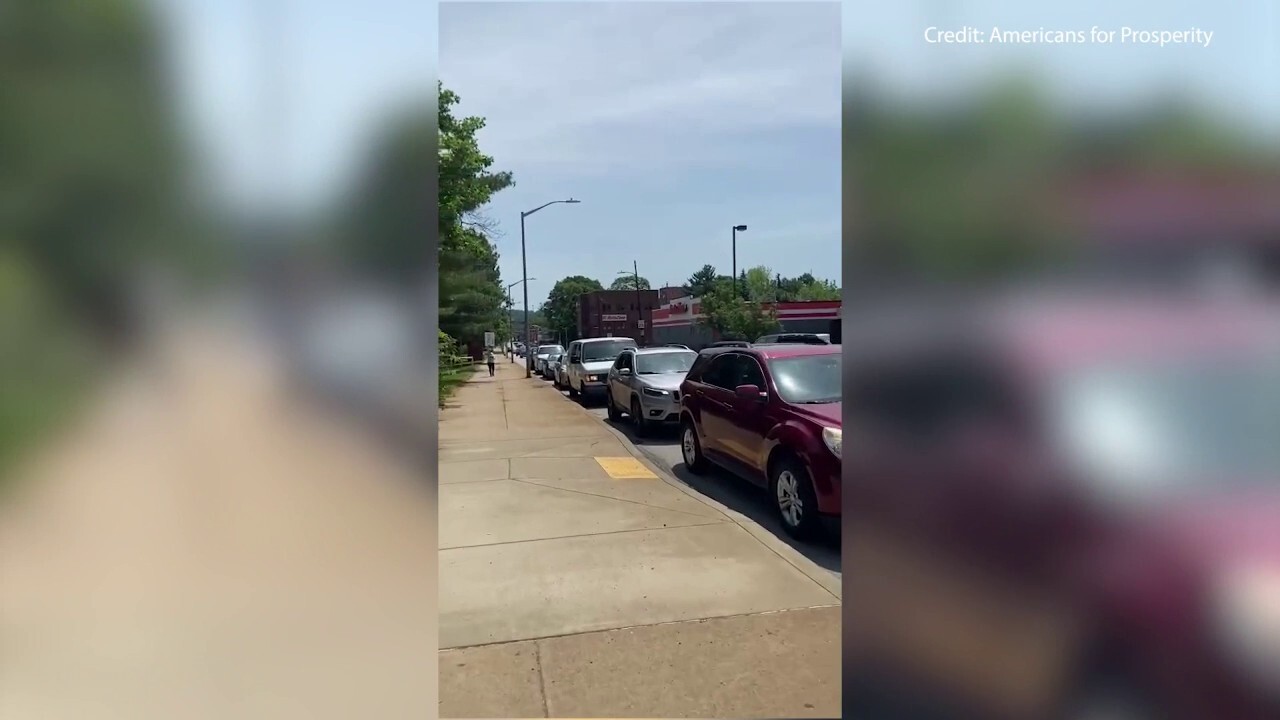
46, 366
451, 379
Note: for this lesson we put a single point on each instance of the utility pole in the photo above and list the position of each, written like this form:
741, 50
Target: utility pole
639, 303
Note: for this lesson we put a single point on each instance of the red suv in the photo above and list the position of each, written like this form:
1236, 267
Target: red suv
1069, 509
771, 415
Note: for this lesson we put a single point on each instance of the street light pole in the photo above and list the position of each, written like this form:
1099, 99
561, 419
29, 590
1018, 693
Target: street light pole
510, 307
736, 230
524, 272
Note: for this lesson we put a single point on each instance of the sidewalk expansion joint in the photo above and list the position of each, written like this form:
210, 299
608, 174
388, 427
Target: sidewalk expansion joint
691, 621
473, 441
710, 521
534, 481
542, 680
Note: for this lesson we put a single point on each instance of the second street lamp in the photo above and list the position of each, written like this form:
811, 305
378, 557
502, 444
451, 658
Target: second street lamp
524, 273
736, 229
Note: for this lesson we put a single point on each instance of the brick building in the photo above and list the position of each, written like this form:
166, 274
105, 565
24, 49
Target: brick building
617, 313
680, 321
671, 293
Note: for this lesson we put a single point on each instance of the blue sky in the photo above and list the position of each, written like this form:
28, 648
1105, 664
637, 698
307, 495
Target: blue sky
342, 68
670, 122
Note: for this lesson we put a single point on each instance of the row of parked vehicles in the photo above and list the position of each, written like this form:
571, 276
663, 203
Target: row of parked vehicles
1066, 507
768, 412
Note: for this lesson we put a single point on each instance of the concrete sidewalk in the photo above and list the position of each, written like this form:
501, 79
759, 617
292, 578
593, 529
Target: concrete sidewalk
577, 581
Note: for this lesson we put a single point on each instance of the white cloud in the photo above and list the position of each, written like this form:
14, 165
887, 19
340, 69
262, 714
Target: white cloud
595, 87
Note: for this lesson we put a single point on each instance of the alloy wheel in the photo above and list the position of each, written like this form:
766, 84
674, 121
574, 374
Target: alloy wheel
790, 503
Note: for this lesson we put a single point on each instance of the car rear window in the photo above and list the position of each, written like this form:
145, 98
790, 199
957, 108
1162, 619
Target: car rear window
676, 361
605, 350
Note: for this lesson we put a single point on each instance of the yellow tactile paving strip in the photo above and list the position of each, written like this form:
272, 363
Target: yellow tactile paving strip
625, 468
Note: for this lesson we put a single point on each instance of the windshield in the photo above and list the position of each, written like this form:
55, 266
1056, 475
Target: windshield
1159, 427
548, 349
808, 379
678, 361
605, 350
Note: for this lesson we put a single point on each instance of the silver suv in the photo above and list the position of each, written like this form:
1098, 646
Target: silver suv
645, 384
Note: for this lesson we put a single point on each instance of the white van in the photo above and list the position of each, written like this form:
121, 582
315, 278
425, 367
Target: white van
589, 362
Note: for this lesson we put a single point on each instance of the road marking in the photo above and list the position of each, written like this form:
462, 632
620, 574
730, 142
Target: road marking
625, 468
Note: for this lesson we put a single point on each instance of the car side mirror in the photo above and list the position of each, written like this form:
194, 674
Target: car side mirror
624, 371
575, 358
750, 393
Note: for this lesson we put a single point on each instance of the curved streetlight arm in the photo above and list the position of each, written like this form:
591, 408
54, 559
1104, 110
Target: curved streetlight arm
524, 269
527, 213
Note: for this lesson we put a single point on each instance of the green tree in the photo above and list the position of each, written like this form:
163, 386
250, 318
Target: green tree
92, 158
92, 170
760, 284
733, 317
818, 290
384, 233
561, 308
701, 282
628, 282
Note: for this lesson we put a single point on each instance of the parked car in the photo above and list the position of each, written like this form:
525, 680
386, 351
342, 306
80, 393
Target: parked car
1086, 489
789, 338
540, 356
561, 378
678, 346
771, 415
730, 343
589, 363
549, 365
645, 384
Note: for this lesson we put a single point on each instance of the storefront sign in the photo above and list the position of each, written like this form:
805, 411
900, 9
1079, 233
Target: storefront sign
613, 318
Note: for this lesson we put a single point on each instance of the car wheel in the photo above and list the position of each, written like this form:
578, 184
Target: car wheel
614, 415
793, 498
691, 448
572, 393
637, 416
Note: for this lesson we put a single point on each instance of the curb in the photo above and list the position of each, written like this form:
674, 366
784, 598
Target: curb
784, 551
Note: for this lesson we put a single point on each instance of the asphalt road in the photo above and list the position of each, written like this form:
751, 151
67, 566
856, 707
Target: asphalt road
727, 489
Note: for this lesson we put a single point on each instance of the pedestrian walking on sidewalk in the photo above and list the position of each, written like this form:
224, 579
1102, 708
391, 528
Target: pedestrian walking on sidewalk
488, 359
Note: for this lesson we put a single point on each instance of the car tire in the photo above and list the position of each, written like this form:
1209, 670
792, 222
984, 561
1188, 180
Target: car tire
691, 448
614, 415
793, 497
637, 417
572, 393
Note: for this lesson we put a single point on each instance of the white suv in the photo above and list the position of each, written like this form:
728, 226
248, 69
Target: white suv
588, 364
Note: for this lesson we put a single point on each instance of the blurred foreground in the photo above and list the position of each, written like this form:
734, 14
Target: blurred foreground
205, 541
1065, 503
